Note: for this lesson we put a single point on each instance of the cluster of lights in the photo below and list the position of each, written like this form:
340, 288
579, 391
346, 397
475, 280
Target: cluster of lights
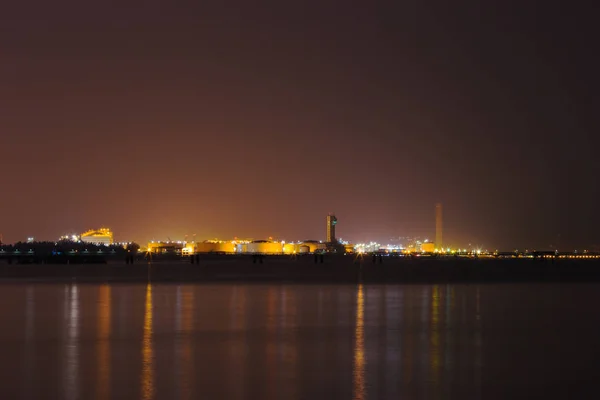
367, 247
72, 238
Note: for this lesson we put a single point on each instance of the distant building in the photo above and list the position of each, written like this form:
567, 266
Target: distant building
100, 236
165, 247
331, 222
237, 246
216, 246
428, 247
310, 246
264, 247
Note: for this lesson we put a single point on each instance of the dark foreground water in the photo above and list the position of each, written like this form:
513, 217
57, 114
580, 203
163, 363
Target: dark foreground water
224, 341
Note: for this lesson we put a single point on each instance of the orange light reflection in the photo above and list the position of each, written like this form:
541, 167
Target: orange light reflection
359, 347
148, 350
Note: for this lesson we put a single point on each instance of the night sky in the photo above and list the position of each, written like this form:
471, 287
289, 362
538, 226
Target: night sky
256, 119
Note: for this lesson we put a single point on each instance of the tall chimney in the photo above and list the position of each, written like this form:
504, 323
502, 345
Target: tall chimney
438, 226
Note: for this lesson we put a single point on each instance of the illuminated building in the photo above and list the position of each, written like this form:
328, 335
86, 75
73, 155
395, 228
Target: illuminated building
264, 247
236, 246
165, 247
100, 236
310, 246
331, 222
71, 238
216, 246
438, 225
428, 247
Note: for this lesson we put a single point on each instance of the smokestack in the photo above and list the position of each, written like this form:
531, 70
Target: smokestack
438, 226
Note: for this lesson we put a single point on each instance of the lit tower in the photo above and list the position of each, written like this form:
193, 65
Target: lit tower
438, 226
331, 221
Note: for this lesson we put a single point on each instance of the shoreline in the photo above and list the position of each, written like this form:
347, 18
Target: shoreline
342, 270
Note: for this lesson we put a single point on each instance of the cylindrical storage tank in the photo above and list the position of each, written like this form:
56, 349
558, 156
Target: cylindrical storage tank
265, 247
290, 248
202, 247
215, 247
314, 246
226, 247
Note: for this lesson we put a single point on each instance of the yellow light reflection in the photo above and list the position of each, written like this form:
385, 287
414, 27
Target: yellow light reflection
104, 327
147, 349
359, 347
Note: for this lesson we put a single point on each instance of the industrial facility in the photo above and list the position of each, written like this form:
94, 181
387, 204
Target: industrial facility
248, 246
270, 246
99, 236
237, 247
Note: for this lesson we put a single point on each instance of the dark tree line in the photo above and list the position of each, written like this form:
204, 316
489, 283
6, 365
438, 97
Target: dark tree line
69, 247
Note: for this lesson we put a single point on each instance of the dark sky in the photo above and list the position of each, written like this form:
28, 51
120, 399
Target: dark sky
255, 119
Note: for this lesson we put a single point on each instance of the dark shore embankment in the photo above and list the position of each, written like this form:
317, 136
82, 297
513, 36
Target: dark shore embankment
334, 269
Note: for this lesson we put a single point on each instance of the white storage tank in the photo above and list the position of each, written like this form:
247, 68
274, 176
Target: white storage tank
310, 246
304, 248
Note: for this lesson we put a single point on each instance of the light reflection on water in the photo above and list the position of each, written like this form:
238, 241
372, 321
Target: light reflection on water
103, 357
71, 369
288, 341
359, 347
147, 386
435, 338
186, 354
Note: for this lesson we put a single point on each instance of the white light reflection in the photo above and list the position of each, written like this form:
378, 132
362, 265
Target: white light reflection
71, 370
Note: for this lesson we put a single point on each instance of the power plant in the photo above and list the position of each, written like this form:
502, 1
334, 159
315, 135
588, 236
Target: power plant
249, 246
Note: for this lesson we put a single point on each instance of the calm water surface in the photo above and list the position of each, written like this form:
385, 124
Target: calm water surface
84, 341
